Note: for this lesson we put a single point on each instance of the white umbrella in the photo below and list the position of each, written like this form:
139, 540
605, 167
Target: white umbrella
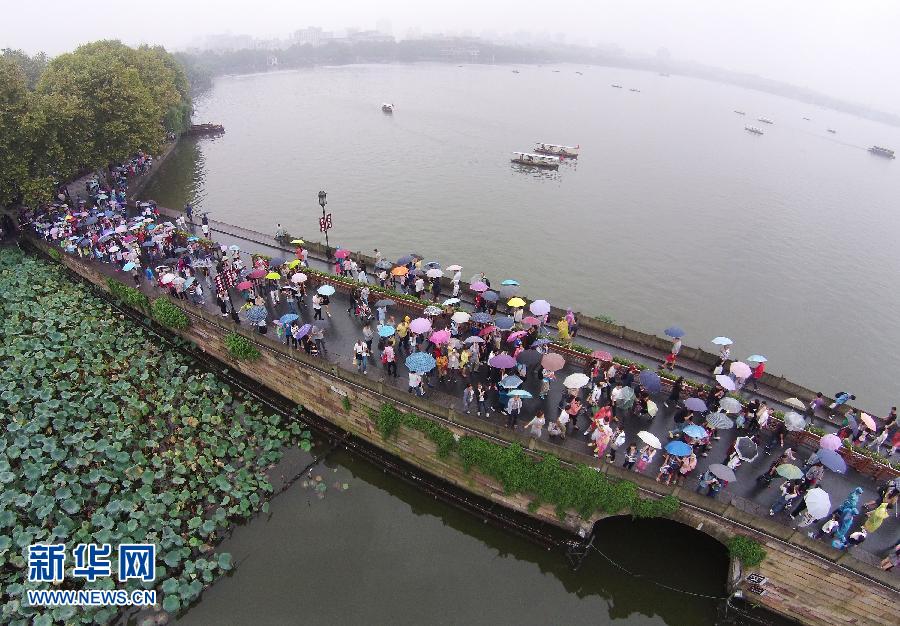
725, 382
434, 273
113, 249
650, 439
299, 277
866, 419
818, 502
796, 403
741, 370
652, 409
576, 381
460, 317
167, 278
730, 405
454, 268
794, 421
722, 341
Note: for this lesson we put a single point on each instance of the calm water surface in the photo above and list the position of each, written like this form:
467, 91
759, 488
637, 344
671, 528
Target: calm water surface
674, 214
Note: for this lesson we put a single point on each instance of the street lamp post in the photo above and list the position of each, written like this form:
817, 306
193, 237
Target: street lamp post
325, 223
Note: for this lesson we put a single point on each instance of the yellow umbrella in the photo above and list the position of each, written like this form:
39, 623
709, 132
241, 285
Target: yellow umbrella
516, 302
400, 271
294, 263
273, 275
297, 241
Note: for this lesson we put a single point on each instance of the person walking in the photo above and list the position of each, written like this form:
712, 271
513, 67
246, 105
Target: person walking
755, 374
390, 360
513, 409
361, 354
317, 307
631, 456
536, 425
468, 397
481, 397
790, 491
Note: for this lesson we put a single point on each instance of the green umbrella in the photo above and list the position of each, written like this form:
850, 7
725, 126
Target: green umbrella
789, 471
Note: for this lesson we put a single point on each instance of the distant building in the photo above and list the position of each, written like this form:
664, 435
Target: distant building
369, 36
312, 36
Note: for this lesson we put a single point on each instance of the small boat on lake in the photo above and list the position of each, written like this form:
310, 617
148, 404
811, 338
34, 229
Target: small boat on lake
754, 130
536, 160
885, 152
635, 90
617, 86
832, 131
765, 120
205, 129
569, 152
387, 108
739, 112
515, 71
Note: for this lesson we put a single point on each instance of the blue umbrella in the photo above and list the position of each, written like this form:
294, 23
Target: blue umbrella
678, 448
695, 404
84, 242
189, 281
481, 318
504, 323
276, 262
192, 238
386, 331
520, 392
490, 296
257, 314
510, 382
433, 264
833, 461
420, 362
404, 260
650, 381
304, 331
450, 301
695, 432
541, 342
326, 290
510, 282
674, 331
148, 244
287, 318
383, 264
128, 267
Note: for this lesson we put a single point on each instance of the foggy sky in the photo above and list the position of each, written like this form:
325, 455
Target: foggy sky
845, 49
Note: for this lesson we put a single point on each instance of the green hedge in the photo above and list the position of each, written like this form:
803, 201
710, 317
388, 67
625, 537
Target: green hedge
583, 488
747, 550
240, 347
54, 254
128, 295
168, 314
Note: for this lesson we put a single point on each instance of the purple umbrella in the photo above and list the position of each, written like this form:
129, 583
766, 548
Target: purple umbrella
502, 361
490, 296
420, 325
695, 404
833, 461
650, 381
304, 331
478, 286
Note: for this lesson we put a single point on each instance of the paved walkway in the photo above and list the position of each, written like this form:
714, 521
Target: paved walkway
342, 330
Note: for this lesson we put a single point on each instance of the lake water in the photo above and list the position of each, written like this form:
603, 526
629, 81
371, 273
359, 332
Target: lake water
674, 214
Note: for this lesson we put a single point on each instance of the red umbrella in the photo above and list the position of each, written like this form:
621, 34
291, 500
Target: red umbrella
439, 337
513, 336
245, 285
553, 361
601, 355
342, 254
487, 330
257, 274
531, 320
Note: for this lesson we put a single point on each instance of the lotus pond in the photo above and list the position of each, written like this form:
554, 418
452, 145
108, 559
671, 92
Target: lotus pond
110, 438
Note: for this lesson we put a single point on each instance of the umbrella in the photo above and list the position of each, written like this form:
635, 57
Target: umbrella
601, 355
288, 318
234, 248
432, 310
420, 362
450, 301
652, 408
539, 307
325, 290
553, 362
529, 357
510, 382
294, 263
296, 242
257, 274
516, 302
289, 289
674, 331
404, 260
460, 317
487, 330
794, 421
719, 421
273, 275
678, 448
695, 432
491, 296
478, 286
420, 325
531, 320
722, 341
502, 361
576, 381
730, 405
509, 281
866, 419
723, 472
399, 271
454, 268
789, 471
299, 277
818, 502
650, 439
91, 220
276, 262
520, 392
121, 229
830, 442
726, 382
695, 404
739, 369
434, 273
128, 267
386, 331
439, 337
504, 323
304, 331
189, 281
796, 403
833, 461
757, 358
516, 335
385, 303
383, 265
474, 340
746, 448
113, 249
340, 253
257, 314
626, 396
650, 381
167, 278
541, 342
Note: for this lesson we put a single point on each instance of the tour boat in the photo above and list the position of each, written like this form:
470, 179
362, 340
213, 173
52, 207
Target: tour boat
387, 108
739, 112
579, 73
806, 118
570, 152
617, 86
537, 160
882, 152
635, 90
765, 120
754, 130
515, 71
832, 131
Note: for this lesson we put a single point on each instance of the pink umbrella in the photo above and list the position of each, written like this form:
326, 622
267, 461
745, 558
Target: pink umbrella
502, 361
342, 254
256, 274
478, 286
601, 355
299, 277
552, 361
539, 307
245, 285
741, 370
830, 442
513, 336
420, 325
439, 337
487, 330
531, 320
866, 419
129, 238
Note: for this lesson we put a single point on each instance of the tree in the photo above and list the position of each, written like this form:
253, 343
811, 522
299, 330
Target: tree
31, 65
13, 148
